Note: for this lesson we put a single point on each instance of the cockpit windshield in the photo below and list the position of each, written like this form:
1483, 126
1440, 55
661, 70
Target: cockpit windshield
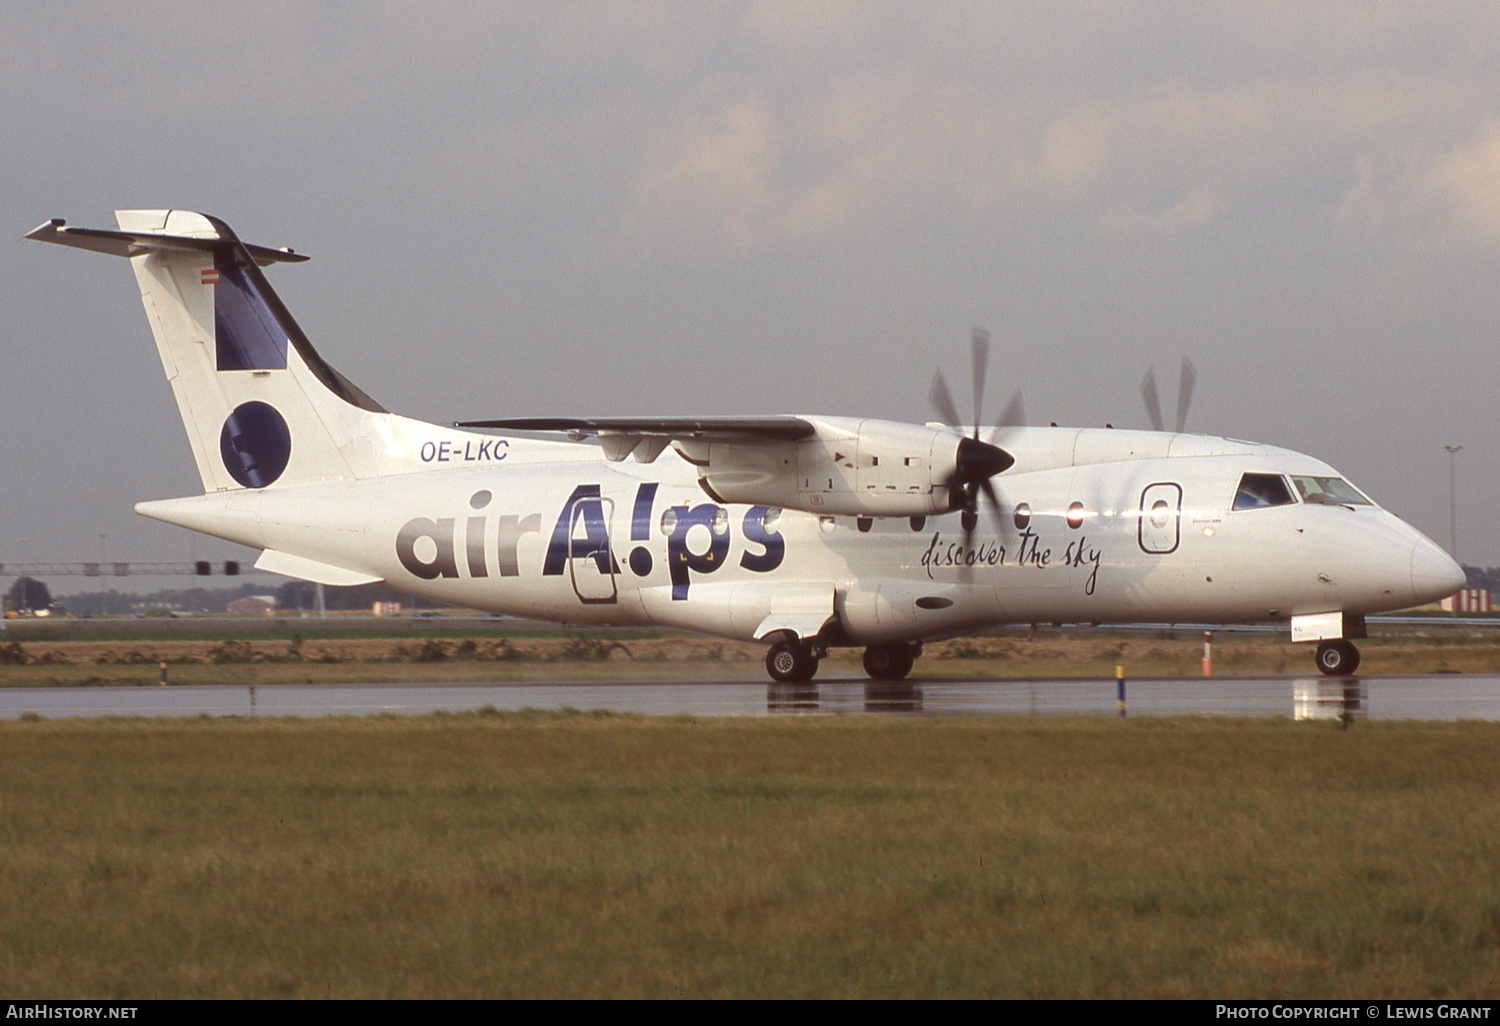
1260, 490
1329, 491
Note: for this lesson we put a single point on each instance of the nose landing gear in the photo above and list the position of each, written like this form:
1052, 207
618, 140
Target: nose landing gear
1337, 658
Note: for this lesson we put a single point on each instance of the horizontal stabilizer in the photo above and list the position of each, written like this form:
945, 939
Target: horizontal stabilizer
131, 244
304, 569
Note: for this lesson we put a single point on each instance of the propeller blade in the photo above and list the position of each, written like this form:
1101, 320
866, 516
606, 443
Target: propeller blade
1185, 391
969, 520
988, 488
979, 352
1014, 414
942, 401
1152, 400
983, 486
975, 462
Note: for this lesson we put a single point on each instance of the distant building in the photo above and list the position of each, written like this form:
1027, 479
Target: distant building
386, 608
1469, 600
253, 605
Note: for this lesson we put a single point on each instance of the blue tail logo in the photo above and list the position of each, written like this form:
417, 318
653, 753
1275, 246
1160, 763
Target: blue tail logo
255, 444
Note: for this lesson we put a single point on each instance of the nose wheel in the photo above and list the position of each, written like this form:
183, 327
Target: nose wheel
789, 662
1337, 658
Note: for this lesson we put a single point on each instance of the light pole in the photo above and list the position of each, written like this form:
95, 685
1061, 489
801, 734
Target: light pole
1453, 451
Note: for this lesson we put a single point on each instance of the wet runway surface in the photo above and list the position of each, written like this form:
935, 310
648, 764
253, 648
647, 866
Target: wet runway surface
1438, 697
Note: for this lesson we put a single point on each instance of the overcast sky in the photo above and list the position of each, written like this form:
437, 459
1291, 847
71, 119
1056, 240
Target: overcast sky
761, 207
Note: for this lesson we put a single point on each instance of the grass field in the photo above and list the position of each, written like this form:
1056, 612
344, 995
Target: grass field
587, 855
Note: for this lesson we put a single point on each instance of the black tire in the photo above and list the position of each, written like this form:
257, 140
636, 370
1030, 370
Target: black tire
790, 663
888, 662
1337, 658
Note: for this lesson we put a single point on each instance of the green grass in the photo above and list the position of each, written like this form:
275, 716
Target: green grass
595, 855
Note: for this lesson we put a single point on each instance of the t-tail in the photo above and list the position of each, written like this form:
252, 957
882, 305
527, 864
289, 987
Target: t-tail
260, 406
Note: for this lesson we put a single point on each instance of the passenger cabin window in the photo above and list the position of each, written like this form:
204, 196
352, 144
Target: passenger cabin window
1329, 491
1261, 490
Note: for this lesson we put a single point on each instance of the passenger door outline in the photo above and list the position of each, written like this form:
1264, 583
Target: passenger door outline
590, 584
1160, 530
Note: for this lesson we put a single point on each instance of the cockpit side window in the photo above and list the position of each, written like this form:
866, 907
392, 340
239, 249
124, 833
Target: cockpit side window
1329, 491
1260, 490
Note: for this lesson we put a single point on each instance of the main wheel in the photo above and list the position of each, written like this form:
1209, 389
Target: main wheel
788, 662
1337, 658
888, 662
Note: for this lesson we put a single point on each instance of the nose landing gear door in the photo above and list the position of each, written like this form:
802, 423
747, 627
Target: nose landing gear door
1161, 518
591, 562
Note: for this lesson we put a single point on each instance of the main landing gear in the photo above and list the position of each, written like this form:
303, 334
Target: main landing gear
1337, 658
790, 662
890, 662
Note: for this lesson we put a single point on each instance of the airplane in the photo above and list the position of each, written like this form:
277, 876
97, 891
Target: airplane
804, 533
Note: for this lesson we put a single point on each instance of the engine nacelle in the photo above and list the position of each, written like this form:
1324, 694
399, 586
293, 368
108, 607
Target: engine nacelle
850, 467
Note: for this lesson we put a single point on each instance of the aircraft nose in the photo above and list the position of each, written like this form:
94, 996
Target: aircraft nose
1433, 574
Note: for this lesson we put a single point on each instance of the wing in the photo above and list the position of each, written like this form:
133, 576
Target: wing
738, 429
620, 436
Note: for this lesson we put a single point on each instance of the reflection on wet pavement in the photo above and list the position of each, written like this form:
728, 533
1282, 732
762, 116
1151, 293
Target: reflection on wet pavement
1341, 699
877, 697
1438, 697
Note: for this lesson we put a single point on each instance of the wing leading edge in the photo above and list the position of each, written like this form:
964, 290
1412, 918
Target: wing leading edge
646, 437
726, 429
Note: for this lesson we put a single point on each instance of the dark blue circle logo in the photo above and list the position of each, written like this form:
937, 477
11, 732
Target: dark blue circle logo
255, 444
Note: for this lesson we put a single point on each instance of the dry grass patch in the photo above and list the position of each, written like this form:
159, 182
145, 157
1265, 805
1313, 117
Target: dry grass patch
604, 654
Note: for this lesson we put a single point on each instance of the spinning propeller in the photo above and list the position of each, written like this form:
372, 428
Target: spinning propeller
1185, 382
976, 461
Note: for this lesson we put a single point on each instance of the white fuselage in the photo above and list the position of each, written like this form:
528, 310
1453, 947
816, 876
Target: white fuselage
554, 530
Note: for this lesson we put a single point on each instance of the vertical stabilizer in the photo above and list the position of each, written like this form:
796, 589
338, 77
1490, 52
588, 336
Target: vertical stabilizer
259, 405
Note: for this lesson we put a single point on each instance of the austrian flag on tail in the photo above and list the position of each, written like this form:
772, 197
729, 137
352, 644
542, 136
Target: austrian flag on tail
211, 276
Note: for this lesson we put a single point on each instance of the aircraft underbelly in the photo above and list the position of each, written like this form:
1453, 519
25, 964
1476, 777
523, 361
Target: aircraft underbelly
892, 610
